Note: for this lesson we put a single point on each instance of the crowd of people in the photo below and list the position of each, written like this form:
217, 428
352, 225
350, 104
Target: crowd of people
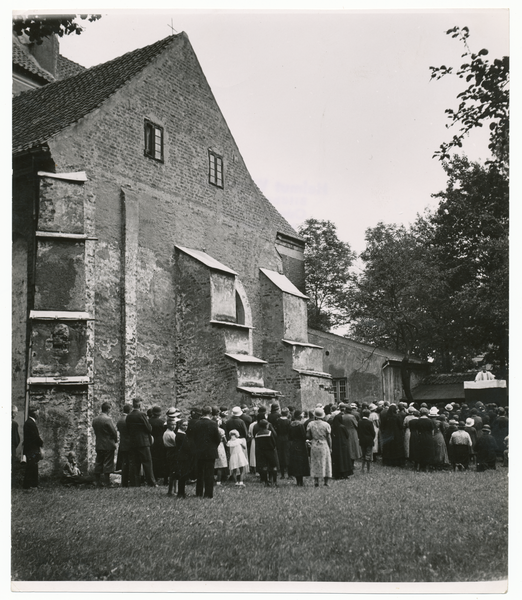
213, 445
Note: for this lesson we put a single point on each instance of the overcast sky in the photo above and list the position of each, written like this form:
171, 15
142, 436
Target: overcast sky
333, 111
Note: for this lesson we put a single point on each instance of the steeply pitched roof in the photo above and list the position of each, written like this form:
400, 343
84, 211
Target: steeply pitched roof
24, 61
40, 114
68, 68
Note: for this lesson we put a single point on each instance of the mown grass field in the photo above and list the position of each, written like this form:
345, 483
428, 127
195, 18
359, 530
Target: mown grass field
393, 525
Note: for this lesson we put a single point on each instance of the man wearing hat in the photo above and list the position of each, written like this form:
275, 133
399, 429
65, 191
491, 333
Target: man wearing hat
486, 450
140, 437
275, 413
205, 434
236, 422
32, 449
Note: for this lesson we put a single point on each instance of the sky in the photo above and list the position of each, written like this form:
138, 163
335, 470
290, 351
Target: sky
333, 110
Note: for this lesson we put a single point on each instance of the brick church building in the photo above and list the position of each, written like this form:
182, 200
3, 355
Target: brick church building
146, 262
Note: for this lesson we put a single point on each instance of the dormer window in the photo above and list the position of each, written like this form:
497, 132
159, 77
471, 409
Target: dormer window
215, 169
153, 141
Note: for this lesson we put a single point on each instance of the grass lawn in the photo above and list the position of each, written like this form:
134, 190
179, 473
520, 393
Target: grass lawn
393, 525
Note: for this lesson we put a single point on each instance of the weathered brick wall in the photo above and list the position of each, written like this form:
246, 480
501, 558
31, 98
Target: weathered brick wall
177, 206
203, 374
64, 423
362, 367
358, 365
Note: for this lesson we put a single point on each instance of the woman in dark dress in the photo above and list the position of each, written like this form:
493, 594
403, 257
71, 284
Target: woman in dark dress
341, 458
425, 450
298, 465
392, 439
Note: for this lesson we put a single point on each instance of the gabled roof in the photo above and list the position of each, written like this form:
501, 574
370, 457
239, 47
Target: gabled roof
40, 114
24, 61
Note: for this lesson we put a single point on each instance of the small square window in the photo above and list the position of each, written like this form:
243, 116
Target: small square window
215, 169
153, 141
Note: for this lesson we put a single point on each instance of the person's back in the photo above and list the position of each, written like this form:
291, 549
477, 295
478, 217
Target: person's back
139, 428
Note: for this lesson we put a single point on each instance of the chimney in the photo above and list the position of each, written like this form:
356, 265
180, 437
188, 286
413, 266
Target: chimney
46, 53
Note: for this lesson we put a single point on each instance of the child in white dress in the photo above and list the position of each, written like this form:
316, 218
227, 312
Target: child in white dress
238, 457
221, 460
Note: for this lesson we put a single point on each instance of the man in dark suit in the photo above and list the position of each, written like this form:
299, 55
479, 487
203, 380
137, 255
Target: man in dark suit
140, 437
158, 452
124, 447
237, 423
33, 450
106, 440
205, 435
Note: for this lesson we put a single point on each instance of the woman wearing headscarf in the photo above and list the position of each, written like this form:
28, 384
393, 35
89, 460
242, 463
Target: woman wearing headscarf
342, 466
319, 431
298, 465
392, 439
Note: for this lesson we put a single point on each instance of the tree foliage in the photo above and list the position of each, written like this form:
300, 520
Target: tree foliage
471, 243
396, 289
38, 27
484, 102
327, 264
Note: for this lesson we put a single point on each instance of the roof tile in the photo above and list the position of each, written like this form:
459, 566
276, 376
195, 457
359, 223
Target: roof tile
40, 114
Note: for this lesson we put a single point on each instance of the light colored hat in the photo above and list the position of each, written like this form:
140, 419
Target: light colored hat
470, 422
234, 432
411, 409
236, 411
173, 412
373, 406
434, 411
319, 412
380, 403
448, 407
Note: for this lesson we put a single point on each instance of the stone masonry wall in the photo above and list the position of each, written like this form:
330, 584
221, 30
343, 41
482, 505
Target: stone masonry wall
177, 206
